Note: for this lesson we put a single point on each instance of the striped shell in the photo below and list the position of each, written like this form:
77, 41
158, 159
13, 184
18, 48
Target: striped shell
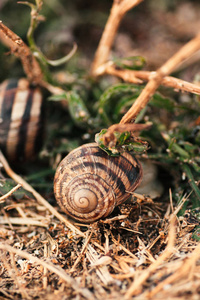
89, 184
21, 119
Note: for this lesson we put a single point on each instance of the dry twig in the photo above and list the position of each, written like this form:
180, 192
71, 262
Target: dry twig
109, 135
118, 10
102, 66
185, 52
23, 221
81, 253
138, 77
30, 64
21, 50
39, 198
49, 266
2, 198
102, 271
136, 286
184, 270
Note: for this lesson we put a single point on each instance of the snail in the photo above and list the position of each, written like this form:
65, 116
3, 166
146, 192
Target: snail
89, 183
21, 119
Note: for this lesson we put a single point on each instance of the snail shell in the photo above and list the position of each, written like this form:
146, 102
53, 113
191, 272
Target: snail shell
89, 183
21, 119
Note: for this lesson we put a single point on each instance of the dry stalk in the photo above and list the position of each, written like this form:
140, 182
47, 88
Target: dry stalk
185, 52
22, 51
136, 286
183, 271
2, 198
49, 266
81, 253
123, 248
23, 221
12, 272
101, 271
39, 198
55, 90
109, 135
138, 77
118, 10
101, 65
19, 284
30, 65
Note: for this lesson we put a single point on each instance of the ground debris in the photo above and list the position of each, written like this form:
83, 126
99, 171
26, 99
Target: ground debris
114, 254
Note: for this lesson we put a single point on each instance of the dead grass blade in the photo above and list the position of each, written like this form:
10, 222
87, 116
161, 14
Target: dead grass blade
136, 286
49, 266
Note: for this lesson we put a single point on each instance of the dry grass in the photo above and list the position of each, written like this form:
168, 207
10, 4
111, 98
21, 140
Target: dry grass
143, 251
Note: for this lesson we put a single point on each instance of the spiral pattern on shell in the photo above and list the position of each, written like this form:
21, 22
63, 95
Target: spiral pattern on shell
21, 119
89, 183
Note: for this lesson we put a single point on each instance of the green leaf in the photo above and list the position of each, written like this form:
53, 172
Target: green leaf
78, 109
123, 142
109, 107
122, 137
58, 97
177, 150
159, 101
125, 103
190, 147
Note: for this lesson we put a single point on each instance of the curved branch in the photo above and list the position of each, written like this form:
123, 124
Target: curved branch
118, 10
138, 77
185, 52
23, 52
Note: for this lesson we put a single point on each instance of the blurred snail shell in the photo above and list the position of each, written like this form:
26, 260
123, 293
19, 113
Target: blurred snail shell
21, 119
89, 183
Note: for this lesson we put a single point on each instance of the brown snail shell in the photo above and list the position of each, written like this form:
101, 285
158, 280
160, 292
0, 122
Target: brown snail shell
21, 119
89, 183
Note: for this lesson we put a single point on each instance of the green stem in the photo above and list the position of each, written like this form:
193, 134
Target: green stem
40, 174
177, 149
35, 20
